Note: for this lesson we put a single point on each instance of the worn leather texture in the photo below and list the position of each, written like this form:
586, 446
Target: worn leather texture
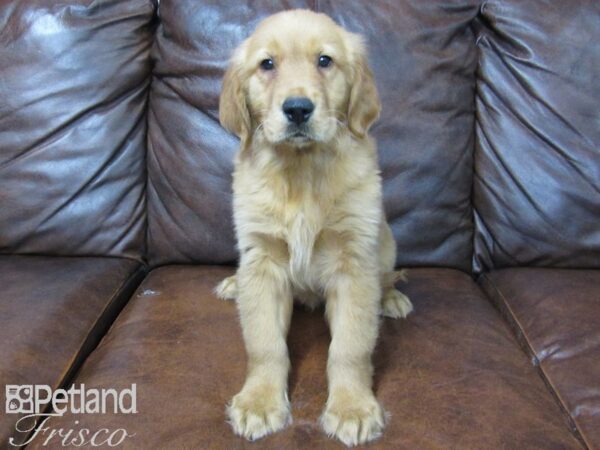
537, 159
74, 78
53, 312
424, 58
451, 375
556, 313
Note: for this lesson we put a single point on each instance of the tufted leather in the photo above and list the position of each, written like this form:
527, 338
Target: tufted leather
73, 89
537, 159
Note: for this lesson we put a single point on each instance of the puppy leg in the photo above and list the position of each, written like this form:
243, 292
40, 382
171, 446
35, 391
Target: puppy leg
394, 303
227, 289
264, 302
352, 413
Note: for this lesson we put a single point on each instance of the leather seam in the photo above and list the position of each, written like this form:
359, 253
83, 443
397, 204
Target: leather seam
129, 283
498, 299
116, 295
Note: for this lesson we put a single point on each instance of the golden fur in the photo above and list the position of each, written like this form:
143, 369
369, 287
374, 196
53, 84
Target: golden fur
309, 219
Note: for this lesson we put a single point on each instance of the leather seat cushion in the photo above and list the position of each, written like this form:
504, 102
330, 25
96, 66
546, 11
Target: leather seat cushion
556, 314
53, 312
452, 375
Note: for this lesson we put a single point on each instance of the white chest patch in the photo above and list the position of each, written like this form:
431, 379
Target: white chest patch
303, 229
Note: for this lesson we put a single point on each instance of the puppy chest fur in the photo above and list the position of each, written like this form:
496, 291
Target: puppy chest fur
306, 207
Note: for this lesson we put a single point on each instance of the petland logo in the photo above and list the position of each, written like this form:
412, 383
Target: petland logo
33, 400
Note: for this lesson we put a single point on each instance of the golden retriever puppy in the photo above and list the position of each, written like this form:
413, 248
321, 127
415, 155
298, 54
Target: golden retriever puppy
308, 216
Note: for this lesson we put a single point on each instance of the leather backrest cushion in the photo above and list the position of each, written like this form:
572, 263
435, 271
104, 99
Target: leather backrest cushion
74, 77
424, 58
537, 163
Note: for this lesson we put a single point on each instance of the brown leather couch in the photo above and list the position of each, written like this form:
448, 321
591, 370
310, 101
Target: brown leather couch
115, 219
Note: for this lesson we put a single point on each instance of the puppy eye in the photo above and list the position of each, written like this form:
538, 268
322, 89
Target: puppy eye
325, 61
267, 64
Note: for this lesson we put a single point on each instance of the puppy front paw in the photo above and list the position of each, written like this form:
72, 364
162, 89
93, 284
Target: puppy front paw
257, 411
395, 304
353, 418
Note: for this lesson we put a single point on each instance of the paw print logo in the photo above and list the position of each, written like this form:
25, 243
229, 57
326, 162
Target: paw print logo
19, 399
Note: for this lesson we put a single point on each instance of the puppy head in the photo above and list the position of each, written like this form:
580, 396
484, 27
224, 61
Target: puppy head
299, 79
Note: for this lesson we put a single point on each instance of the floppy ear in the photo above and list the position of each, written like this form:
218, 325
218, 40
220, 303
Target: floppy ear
364, 105
233, 110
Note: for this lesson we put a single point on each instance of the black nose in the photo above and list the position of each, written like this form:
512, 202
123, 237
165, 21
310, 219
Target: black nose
298, 109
